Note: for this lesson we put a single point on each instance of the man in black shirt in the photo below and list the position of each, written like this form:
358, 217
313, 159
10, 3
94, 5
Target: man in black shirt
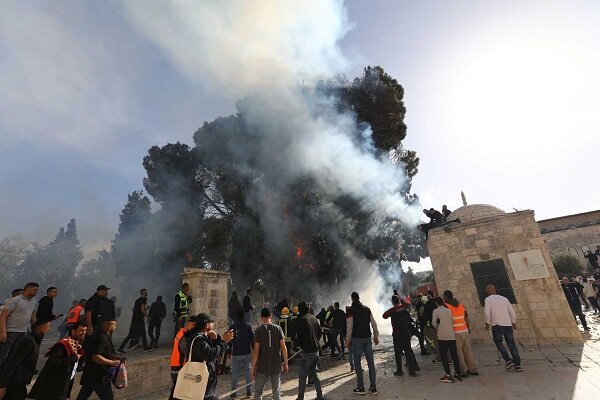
248, 307
95, 312
46, 305
591, 257
19, 368
158, 312
102, 356
338, 323
308, 334
359, 322
138, 326
572, 294
241, 351
402, 331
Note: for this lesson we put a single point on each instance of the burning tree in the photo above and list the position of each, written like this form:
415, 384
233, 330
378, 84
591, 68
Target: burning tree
258, 195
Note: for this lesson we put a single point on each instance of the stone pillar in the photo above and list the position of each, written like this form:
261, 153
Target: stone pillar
209, 294
488, 234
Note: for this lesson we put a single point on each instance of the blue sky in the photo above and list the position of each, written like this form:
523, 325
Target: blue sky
501, 100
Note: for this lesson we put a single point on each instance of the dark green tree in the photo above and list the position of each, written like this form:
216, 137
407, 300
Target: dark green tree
567, 265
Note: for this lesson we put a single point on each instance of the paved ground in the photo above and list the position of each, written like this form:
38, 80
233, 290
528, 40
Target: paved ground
555, 372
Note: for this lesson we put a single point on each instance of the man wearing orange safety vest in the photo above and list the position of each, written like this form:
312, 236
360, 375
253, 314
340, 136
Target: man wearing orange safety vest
178, 354
76, 313
460, 323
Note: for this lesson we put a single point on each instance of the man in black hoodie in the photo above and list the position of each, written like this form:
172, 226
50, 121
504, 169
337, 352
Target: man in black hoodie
207, 347
308, 334
20, 364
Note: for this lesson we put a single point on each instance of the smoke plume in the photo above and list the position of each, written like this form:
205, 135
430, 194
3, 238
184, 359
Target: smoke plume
272, 54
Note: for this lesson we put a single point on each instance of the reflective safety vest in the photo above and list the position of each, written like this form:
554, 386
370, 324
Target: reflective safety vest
184, 305
74, 314
177, 358
283, 323
458, 318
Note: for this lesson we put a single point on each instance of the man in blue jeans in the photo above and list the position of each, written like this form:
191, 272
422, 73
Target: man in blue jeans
500, 315
359, 322
241, 351
307, 335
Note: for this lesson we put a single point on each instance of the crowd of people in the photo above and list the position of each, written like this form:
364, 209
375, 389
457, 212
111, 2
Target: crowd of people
260, 349
84, 344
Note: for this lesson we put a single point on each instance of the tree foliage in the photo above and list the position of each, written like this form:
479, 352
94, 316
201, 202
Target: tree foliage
204, 193
567, 265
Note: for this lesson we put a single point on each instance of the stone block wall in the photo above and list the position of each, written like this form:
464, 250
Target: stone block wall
543, 315
574, 241
209, 294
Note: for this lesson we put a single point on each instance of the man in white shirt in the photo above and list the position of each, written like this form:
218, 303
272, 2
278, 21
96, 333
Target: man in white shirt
17, 315
500, 315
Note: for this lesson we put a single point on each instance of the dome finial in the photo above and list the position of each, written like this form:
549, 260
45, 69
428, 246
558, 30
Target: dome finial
464, 199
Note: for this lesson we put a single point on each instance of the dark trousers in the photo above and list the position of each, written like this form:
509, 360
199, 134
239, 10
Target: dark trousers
506, 332
137, 329
402, 345
174, 379
16, 392
445, 347
11, 339
308, 368
103, 390
333, 341
594, 303
576, 309
154, 332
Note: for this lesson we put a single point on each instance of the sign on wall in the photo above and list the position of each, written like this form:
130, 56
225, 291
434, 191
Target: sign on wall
528, 264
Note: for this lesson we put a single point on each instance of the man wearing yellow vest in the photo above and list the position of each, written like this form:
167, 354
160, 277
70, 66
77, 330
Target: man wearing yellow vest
182, 306
460, 323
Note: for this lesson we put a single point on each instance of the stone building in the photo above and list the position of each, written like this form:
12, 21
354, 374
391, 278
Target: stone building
209, 294
507, 250
572, 234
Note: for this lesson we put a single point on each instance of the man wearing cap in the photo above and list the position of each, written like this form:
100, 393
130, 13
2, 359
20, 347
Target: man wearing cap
269, 352
207, 347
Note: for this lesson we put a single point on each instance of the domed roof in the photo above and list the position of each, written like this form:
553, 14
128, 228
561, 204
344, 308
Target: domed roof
474, 212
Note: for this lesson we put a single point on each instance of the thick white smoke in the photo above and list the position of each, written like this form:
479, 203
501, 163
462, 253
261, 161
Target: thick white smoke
273, 53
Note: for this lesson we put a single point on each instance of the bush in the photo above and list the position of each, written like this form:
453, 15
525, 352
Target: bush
567, 265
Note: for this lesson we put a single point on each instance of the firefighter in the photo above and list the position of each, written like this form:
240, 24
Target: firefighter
182, 306
284, 323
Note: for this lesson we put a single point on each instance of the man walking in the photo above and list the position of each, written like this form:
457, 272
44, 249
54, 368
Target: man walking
572, 295
460, 319
442, 321
19, 368
138, 326
182, 306
158, 312
248, 307
359, 322
241, 354
270, 356
338, 327
46, 305
208, 347
500, 315
179, 353
56, 378
17, 314
101, 357
308, 333
402, 330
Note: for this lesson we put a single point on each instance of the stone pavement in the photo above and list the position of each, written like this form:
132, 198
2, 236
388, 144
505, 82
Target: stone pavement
550, 372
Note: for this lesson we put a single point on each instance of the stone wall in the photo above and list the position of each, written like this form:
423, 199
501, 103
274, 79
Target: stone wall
575, 241
543, 315
209, 294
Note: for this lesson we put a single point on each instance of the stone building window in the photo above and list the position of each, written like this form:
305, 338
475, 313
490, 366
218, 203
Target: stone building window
492, 272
